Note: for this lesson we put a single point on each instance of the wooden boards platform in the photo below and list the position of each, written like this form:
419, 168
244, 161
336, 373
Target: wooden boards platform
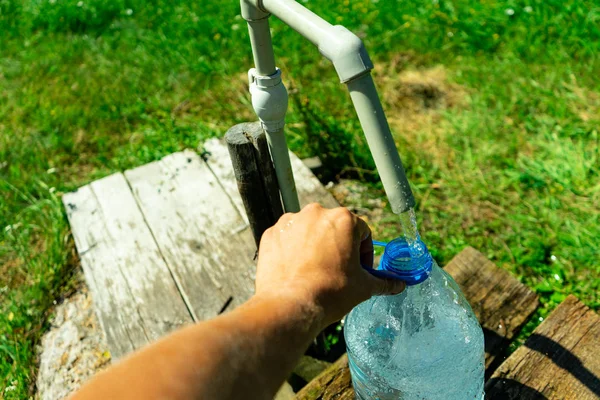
168, 243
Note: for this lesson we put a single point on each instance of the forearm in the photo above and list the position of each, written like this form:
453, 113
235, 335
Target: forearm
269, 339
246, 353
308, 274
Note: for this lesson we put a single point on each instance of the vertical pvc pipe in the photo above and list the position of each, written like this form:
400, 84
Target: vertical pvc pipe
270, 101
283, 170
262, 46
380, 141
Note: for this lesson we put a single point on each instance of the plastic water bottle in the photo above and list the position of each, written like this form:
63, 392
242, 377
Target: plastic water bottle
424, 343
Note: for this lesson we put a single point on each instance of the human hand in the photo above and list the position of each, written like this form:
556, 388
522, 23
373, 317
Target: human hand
315, 257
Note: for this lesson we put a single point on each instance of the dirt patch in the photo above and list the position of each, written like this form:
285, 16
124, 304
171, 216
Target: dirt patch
416, 101
585, 104
10, 273
73, 350
419, 91
358, 198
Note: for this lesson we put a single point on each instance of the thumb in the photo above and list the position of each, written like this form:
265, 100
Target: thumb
381, 286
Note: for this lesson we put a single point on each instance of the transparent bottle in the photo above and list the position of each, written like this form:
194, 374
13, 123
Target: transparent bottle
424, 343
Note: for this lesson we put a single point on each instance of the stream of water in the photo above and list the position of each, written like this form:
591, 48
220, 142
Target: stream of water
408, 219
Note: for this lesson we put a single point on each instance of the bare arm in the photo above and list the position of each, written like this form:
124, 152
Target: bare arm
308, 276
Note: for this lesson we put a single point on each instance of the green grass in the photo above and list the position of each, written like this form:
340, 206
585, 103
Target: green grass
92, 87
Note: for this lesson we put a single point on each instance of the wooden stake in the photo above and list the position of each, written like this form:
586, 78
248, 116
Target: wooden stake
266, 168
255, 176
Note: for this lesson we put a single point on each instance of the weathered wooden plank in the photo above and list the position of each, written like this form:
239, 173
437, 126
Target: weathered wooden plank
502, 305
560, 360
201, 236
217, 158
332, 384
134, 294
310, 190
309, 368
177, 250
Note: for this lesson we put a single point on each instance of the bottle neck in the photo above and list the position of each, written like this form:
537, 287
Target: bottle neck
412, 269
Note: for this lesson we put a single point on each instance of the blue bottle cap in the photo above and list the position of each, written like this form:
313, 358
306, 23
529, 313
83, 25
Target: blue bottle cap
398, 260
398, 263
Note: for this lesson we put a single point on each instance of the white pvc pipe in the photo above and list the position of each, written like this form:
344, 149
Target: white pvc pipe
381, 143
262, 47
299, 18
353, 65
336, 43
283, 170
270, 101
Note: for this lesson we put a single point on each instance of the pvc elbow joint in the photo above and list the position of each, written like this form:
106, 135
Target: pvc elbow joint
347, 53
251, 11
269, 99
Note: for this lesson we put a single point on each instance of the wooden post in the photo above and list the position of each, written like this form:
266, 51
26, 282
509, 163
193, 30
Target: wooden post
266, 168
255, 176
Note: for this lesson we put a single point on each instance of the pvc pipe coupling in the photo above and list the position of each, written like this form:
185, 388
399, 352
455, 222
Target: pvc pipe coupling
269, 99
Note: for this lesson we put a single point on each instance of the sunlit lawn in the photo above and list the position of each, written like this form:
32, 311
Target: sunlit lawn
509, 166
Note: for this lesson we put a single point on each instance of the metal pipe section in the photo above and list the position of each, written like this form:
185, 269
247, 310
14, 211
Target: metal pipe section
380, 140
283, 170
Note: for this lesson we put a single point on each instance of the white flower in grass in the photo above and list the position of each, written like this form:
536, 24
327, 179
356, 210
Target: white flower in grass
509, 11
12, 227
129, 11
528, 9
12, 387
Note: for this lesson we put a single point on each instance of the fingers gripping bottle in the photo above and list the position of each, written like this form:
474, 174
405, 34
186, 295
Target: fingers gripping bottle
423, 344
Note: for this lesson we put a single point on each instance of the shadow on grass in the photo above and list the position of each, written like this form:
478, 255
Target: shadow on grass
342, 155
